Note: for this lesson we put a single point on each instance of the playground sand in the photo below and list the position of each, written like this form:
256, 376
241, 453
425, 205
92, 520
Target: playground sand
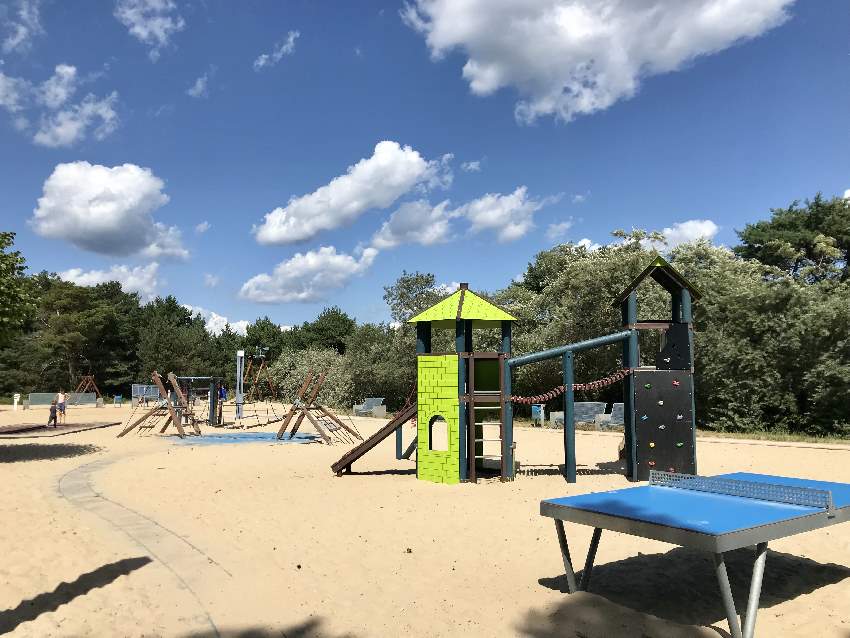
142, 537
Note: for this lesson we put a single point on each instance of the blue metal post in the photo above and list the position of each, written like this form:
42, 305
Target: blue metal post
569, 419
631, 360
687, 317
508, 417
506, 337
460, 344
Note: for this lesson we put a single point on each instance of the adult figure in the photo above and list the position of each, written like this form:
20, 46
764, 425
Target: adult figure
60, 404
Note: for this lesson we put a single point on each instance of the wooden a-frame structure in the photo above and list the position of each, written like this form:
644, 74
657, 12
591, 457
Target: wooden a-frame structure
325, 422
86, 384
254, 392
164, 412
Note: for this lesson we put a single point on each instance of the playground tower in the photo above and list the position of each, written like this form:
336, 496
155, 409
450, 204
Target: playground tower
461, 427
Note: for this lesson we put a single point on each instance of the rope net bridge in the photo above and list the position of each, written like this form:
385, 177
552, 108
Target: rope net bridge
557, 391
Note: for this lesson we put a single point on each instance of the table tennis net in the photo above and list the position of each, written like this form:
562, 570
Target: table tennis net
788, 494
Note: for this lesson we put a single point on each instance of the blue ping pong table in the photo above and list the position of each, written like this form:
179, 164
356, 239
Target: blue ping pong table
714, 514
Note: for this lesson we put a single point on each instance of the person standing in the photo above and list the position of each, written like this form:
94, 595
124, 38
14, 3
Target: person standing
52, 418
60, 404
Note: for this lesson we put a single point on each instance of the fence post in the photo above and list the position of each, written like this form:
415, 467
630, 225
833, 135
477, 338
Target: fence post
569, 418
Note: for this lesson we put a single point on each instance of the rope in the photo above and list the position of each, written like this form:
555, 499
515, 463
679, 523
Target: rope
559, 390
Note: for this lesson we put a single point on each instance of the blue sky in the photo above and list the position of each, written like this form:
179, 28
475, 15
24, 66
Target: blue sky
328, 146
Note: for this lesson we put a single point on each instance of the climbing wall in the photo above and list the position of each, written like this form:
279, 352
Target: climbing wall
664, 422
437, 395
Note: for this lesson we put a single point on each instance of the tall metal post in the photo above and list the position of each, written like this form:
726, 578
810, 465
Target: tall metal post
460, 344
508, 419
567, 363
213, 400
240, 372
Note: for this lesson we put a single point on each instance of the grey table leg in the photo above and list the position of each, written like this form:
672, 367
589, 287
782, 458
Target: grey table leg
755, 591
565, 553
726, 594
591, 556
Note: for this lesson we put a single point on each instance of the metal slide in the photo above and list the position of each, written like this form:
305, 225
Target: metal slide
344, 464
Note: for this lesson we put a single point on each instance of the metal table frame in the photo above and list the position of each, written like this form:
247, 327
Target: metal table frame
717, 545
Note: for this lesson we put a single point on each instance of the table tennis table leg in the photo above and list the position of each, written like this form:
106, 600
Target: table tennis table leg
726, 594
755, 591
572, 587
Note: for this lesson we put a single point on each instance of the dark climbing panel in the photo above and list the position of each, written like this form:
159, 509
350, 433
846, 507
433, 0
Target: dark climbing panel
664, 422
675, 353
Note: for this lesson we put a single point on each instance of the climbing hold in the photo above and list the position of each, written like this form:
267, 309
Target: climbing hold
679, 444
661, 403
671, 469
679, 417
676, 384
662, 427
666, 359
644, 418
651, 463
647, 385
652, 444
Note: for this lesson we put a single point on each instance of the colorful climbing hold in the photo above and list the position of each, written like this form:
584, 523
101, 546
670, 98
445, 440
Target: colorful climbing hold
671, 469
662, 427
679, 444
647, 385
644, 417
652, 444
679, 417
676, 384
651, 463
666, 359
661, 402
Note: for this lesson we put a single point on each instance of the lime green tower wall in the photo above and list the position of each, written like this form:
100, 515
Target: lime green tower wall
437, 394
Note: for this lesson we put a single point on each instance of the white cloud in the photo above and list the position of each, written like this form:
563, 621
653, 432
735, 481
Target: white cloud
285, 47
572, 57
688, 231
71, 125
140, 279
559, 231
215, 323
373, 182
580, 198
471, 166
415, 222
509, 216
203, 227
588, 244
447, 289
166, 241
64, 127
847, 194
23, 27
200, 88
151, 22
210, 280
307, 277
106, 210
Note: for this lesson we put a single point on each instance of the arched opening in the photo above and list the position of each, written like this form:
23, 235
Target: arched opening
438, 434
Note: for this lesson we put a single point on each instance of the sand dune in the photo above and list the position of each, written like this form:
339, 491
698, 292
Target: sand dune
150, 536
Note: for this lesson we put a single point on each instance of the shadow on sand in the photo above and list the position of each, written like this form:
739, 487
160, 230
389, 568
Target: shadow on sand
311, 628
612, 468
678, 586
43, 452
66, 592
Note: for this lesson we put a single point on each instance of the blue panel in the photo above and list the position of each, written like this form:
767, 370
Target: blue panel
714, 514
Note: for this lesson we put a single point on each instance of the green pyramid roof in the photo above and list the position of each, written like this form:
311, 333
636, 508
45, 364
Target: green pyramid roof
662, 272
462, 304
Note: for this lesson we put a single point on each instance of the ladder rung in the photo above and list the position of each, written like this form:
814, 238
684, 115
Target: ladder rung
488, 456
489, 423
483, 440
488, 407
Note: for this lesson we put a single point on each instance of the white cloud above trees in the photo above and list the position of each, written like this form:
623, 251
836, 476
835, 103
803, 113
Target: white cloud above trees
22, 26
279, 51
575, 57
140, 279
106, 210
307, 277
375, 182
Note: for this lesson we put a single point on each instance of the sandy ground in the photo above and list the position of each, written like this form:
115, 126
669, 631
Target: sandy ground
150, 536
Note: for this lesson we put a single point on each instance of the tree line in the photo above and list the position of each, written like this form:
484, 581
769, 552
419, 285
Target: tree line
772, 329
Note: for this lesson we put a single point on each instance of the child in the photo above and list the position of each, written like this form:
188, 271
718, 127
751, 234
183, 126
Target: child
60, 401
52, 418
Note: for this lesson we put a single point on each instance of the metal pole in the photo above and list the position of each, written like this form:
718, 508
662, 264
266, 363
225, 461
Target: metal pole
508, 416
755, 591
569, 419
591, 556
726, 594
240, 371
399, 444
534, 357
565, 554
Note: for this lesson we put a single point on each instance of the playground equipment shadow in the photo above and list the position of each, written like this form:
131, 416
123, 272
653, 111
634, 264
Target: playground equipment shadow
311, 628
43, 452
232, 438
680, 585
64, 593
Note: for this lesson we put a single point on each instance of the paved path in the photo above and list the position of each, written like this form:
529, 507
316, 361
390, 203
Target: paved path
188, 564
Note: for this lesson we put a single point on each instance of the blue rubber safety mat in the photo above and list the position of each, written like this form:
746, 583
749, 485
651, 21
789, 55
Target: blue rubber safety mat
232, 438
708, 513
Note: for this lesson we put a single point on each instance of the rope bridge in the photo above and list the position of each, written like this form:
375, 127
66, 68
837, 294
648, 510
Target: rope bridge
598, 384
